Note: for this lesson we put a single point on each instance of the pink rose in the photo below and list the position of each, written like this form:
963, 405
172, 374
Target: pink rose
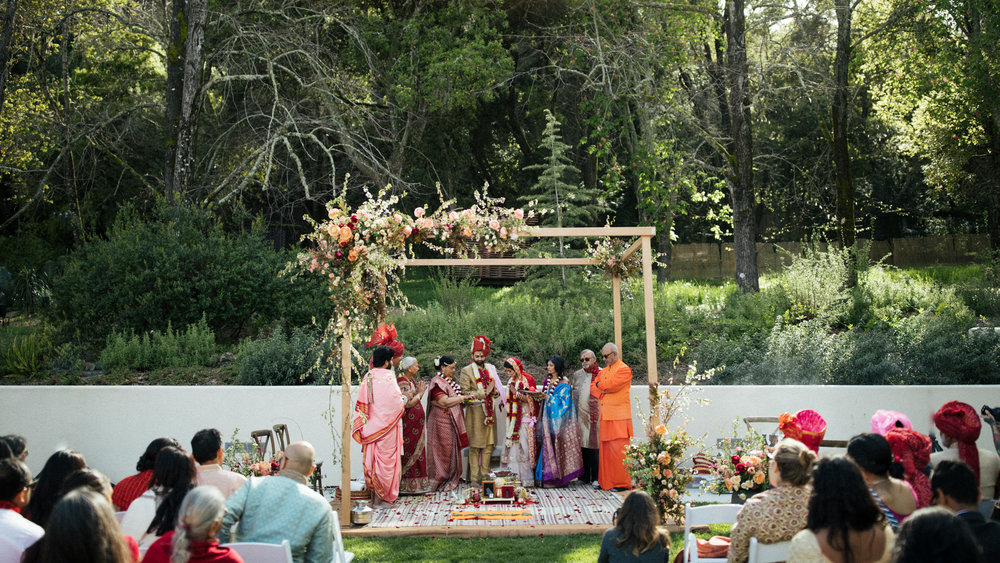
407, 230
418, 212
519, 213
397, 218
494, 224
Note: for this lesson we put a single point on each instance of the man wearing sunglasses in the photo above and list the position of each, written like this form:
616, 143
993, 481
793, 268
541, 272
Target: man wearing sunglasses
588, 416
611, 387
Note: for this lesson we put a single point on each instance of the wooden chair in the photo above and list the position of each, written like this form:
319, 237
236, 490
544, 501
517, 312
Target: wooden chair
339, 555
264, 440
281, 433
768, 552
701, 516
255, 552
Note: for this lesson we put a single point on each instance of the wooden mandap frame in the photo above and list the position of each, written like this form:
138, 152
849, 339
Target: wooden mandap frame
643, 243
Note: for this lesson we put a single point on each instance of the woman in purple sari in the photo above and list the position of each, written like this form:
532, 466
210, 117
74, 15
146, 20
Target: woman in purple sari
559, 461
445, 427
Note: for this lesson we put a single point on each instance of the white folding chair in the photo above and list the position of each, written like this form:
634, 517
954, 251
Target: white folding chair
768, 552
701, 516
256, 552
339, 555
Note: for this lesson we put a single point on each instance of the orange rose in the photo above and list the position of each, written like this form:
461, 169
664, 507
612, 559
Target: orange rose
661, 429
759, 478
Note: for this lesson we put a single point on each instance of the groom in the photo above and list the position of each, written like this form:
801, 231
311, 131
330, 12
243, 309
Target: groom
480, 380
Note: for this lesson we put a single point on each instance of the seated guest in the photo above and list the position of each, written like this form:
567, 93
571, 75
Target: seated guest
637, 535
273, 509
912, 450
155, 512
45, 491
98, 482
884, 421
94, 480
960, 426
5, 452
82, 528
844, 524
193, 539
130, 488
17, 444
206, 447
935, 535
894, 497
778, 513
956, 489
17, 533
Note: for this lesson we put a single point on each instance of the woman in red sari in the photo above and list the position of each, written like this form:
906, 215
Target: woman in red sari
414, 476
445, 427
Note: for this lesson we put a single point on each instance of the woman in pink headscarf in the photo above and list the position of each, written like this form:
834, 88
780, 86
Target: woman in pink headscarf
377, 426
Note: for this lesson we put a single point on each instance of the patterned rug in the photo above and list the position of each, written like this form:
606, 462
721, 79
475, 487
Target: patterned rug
573, 504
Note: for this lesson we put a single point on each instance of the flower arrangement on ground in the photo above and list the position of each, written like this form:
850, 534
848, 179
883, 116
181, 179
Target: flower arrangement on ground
741, 467
249, 463
654, 464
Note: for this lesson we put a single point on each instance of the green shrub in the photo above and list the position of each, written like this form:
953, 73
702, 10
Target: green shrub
282, 359
27, 355
195, 346
175, 268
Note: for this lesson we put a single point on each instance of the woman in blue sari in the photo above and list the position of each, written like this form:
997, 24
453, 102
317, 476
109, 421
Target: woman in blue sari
559, 460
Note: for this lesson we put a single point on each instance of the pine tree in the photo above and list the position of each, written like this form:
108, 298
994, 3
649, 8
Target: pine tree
559, 202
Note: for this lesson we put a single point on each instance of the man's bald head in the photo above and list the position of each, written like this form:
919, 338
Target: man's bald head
299, 457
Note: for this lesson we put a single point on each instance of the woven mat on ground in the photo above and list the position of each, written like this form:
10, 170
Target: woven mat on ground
574, 504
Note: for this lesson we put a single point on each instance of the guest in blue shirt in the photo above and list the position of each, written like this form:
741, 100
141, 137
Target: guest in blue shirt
273, 509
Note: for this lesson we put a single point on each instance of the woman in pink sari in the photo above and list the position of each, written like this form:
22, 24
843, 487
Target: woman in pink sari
376, 426
445, 427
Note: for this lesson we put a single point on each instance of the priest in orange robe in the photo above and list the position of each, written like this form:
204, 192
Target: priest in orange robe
611, 387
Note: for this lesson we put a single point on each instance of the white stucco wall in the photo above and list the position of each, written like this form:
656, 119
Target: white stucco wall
112, 425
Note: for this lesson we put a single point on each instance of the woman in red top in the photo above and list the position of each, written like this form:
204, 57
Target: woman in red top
132, 487
194, 539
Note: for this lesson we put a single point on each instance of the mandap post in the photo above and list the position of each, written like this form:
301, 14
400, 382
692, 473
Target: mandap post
345, 414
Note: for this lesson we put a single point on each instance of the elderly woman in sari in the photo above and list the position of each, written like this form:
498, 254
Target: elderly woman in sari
560, 461
519, 443
414, 476
445, 427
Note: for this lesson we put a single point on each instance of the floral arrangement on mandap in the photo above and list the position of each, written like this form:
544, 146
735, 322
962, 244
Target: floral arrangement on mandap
655, 464
607, 255
360, 252
741, 469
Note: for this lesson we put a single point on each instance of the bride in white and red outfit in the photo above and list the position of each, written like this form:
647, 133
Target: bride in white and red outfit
519, 443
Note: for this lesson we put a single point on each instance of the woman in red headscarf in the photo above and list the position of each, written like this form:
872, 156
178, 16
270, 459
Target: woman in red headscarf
912, 450
519, 442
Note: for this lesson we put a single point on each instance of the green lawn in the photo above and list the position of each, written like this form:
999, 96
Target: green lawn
570, 548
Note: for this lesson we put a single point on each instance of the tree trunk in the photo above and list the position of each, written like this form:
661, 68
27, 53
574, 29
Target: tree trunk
841, 156
739, 173
68, 168
184, 76
6, 38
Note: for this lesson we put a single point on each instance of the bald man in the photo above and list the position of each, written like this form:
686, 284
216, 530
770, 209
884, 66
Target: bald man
283, 507
611, 387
